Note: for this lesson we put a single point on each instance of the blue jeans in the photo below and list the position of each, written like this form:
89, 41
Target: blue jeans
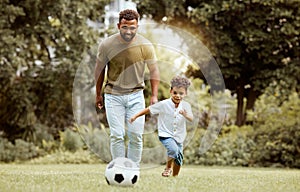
174, 149
119, 109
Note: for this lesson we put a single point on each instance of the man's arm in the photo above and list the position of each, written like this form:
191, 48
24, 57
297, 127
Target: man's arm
99, 79
154, 81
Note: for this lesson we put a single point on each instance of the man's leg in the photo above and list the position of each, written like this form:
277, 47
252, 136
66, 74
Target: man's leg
115, 113
135, 147
136, 103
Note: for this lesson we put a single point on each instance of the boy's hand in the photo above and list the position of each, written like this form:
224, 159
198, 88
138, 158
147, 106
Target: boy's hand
132, 119
183, 112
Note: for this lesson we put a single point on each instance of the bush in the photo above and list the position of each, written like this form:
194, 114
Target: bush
71, 140
232, 147
20, 150
67, 157
277, 132
96, 140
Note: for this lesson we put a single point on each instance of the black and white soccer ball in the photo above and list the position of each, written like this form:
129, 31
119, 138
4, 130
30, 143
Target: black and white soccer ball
122, 172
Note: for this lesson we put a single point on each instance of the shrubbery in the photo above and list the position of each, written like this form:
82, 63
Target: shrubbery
232, 147
70, 140
69, 149
273, 139
18, 151
96, 140
277, 132
67, 157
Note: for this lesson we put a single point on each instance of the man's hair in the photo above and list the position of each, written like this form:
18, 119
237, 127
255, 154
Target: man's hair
128, 14
179, 81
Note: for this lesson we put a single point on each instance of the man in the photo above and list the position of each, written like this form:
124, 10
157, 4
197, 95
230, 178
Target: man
124, 55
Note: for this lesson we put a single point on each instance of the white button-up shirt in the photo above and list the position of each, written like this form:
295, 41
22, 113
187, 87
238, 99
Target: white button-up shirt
170, 122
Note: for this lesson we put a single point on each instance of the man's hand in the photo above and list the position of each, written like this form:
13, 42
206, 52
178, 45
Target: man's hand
153, 100
99, 102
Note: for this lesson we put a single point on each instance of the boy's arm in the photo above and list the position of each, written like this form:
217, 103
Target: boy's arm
185, 114
141, 113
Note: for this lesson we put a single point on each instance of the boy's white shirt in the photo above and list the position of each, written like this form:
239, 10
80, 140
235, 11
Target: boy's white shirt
170, 122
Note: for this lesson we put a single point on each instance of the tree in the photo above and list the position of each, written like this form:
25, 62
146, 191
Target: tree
41, 46
256, 43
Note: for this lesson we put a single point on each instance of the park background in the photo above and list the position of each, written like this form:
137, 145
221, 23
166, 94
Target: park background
255, 43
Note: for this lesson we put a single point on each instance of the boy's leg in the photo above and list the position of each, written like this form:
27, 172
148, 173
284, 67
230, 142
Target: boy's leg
169, 167
170, 162
172, 150
176, 169
178, 161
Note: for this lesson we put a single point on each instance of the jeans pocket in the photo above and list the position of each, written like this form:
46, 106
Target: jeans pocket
108, 101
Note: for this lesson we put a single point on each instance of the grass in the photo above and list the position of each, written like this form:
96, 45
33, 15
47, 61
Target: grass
72, 177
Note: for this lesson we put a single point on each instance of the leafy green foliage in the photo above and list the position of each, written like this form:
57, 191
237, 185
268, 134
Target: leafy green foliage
18, 151
41, 47
96, 140
277, 131
272, 140
70, 140
254, 42
232, 147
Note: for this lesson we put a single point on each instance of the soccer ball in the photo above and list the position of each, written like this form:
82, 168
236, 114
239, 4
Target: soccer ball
122, 172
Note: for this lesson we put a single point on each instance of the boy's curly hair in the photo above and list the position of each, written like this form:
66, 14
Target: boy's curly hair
179, 81
128, 14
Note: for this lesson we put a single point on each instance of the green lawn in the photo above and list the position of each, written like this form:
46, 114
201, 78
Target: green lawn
43, 178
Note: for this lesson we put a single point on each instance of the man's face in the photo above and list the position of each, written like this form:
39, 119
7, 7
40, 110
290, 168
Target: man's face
128, 29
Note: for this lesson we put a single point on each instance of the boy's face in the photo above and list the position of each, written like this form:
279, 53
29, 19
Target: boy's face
177, 94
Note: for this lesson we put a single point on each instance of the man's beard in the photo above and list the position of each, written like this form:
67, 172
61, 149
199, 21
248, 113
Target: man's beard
127, 38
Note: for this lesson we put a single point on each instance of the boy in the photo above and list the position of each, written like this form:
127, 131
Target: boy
172, 115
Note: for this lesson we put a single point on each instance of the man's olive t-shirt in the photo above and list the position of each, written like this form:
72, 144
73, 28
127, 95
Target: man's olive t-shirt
125, 63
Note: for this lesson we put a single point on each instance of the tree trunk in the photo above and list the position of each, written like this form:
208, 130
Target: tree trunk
240, 104
251, 98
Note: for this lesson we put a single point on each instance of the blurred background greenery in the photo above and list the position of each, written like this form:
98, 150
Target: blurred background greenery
255, 43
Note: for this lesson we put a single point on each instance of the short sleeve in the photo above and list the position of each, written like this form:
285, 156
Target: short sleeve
186, 106
155, 108
101, 56
149, 54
